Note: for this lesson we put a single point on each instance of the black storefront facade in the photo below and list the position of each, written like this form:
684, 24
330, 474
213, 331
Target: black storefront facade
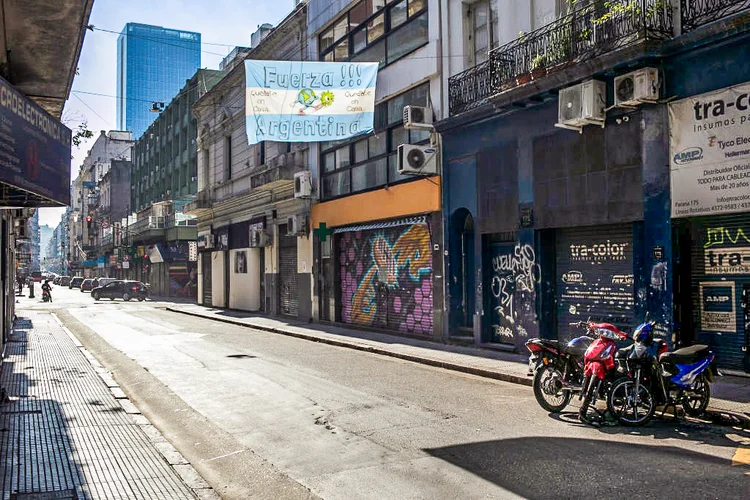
549, 227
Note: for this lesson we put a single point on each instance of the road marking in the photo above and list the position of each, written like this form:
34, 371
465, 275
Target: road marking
741, 456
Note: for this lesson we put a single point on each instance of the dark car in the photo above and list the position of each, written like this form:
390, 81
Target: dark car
125, 290
75, 282
89, 284
64, 280
56, 280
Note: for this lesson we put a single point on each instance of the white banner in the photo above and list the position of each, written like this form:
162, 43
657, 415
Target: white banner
709, 141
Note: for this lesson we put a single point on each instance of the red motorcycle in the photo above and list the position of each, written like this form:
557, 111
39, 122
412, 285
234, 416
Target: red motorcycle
599, 370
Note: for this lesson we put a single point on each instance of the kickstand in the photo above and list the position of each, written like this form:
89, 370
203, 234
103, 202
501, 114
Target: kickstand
674, 414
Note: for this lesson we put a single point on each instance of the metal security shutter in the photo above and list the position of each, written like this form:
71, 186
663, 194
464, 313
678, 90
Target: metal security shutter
386, 277
206, 265
720, 272
594, 277
288, 298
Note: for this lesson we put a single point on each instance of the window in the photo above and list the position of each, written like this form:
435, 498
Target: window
380, 31
228, 157
484, 19
369, 162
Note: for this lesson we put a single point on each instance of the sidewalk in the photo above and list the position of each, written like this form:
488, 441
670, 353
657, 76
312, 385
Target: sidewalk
729, 394
68, 431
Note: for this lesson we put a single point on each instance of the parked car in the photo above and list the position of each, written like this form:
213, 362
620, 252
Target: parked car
106, 281
36, 276
89, 284
125, 290
64, 281
56, 280
75, 282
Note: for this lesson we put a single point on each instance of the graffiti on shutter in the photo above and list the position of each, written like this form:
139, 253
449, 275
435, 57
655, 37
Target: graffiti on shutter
515, 276
386, 278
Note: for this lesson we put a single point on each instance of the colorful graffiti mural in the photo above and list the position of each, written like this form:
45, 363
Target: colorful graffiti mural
386, 278
183, 279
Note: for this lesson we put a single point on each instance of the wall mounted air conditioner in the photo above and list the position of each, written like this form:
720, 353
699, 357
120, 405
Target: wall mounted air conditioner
582, 104
417, 117
296, 225
637, 87
303, 184
416, 160
259, 238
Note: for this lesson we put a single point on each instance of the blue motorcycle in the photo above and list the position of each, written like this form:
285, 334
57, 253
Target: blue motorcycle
653, 377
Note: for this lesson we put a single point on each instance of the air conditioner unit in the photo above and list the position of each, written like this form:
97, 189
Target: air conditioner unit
21, 232
417, 117
637, 87
259, 238
582, 104
416, 160
296, 225
303, 184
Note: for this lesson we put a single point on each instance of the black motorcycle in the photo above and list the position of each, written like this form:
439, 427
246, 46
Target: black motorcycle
557, 369
654, 377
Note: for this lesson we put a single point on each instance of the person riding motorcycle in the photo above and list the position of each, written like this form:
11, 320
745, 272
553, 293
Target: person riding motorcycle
46, 287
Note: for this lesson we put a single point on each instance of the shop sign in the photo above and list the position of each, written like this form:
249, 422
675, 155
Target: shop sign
709, 141
126, 265
599, 251
112, 260
721, 256
717, 306
35, 147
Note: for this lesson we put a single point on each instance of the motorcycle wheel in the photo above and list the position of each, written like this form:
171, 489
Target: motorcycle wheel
629, 408
548, 390
126, 296
589, 387
697, 397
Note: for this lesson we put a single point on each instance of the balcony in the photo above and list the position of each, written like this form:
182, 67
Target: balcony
582, 35
182, 227
148, 226
181, 220
201, 205
279, 172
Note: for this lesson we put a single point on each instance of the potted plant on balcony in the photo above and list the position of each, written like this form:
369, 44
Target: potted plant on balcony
539, 66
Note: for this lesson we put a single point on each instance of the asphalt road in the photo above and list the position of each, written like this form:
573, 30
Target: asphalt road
268, 416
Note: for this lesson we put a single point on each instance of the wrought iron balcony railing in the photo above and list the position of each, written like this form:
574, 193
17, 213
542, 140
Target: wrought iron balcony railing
584, 34
696, 13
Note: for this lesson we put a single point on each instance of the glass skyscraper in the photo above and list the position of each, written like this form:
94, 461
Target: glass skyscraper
153, 64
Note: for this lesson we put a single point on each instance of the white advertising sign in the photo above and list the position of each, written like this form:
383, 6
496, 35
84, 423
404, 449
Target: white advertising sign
709, 143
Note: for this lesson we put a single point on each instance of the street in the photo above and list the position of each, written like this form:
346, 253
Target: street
280, 417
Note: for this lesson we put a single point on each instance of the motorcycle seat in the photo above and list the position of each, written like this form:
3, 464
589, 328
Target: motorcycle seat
686, 355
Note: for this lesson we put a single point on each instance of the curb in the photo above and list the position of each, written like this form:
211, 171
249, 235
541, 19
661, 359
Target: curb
184, 470
481, 372
717, 416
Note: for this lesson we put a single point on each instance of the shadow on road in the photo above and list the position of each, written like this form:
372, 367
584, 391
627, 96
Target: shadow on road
557, 467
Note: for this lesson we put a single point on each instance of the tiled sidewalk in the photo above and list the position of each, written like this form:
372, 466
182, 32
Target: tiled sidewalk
64, 433
730, 394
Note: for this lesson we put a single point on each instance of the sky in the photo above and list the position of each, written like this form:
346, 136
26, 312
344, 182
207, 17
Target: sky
229, 22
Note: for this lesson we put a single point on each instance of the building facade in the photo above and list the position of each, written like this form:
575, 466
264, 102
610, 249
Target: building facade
152, 241
152, 65
379, 264
547, 226
84, 224
253, 234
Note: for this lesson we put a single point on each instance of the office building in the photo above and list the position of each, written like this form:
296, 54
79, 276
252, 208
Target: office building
152, 66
